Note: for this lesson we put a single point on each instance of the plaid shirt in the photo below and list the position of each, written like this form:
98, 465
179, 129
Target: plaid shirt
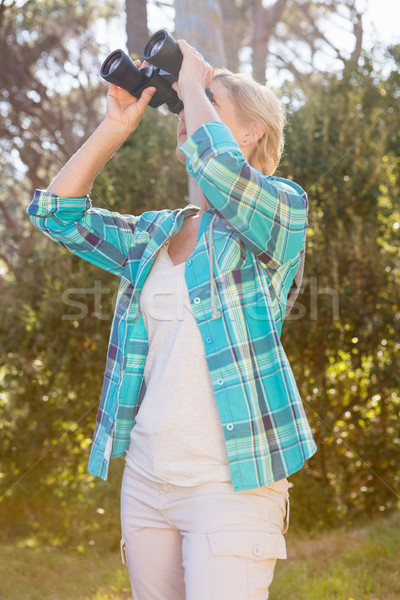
257, 243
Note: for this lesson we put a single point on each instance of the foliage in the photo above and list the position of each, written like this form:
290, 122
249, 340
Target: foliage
289, 38
39, 64
58, 313
145, 173
342, 146
342, 338
57, 310
49, 100
284, 39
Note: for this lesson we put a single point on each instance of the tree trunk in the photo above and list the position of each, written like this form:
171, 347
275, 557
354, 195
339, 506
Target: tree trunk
236, 25
358, 34
265, 23
199, 22
136, 26
260, 40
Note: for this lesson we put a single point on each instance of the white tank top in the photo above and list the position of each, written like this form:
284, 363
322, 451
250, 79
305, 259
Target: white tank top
177, 436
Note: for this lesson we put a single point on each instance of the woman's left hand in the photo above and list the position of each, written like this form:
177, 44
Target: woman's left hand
194, 72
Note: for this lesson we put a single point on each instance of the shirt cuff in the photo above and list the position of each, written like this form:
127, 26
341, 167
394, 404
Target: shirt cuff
44, 204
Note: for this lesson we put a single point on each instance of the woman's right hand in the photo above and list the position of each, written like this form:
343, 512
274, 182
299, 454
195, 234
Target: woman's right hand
125, 110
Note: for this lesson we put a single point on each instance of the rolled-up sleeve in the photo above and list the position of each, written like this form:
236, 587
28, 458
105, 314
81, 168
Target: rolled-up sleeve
269, 213
99, 236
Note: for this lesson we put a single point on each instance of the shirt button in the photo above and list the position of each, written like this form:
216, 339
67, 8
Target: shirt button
188, 263
230, 426
220, 381
196, 300
209, 340
257, 550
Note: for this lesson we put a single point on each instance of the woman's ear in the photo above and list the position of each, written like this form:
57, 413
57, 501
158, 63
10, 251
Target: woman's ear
257, 131
253, 134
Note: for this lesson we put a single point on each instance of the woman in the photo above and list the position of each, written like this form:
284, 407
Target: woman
198, 393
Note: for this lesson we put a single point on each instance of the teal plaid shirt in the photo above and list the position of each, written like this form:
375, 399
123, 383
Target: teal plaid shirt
257, 242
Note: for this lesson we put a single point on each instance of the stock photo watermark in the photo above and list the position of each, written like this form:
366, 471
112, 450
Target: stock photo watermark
82, 302
73, 298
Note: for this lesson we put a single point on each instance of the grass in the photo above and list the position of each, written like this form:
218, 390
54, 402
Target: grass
352, 564
51, 574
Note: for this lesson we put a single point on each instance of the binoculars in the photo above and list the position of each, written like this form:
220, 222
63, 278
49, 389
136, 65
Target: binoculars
165, 58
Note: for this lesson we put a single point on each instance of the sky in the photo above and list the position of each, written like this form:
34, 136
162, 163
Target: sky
382, 20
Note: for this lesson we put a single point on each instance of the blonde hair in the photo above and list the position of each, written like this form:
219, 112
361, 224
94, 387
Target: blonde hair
255, 103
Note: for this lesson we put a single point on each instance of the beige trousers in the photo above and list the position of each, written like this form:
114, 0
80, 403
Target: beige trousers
203, 542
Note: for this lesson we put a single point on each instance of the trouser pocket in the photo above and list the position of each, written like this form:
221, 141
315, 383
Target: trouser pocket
252, 545
243, 562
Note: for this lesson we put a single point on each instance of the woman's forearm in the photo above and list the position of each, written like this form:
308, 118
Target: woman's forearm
76, 178
198, 108
124, 113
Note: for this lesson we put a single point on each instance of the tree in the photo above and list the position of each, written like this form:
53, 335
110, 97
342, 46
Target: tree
136, 26
344, 348
266, 21
50, 99
38, 63
201, 26
288, 36
57, 312
342, 146
50, 96
303, 33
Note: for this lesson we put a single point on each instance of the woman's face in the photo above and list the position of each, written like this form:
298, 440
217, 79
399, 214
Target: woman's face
226, 111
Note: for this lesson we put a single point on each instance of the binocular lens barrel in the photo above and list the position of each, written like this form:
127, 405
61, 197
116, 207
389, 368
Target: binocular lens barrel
157, 46
163, 54
111, 63
120, 69
162, 51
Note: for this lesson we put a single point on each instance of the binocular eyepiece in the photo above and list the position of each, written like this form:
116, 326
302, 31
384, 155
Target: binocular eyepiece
165, 58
